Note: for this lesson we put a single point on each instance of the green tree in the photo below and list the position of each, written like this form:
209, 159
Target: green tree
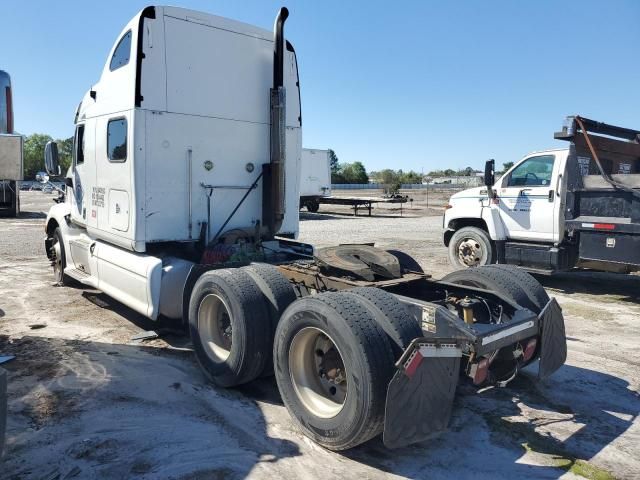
411, 177
506, 166
354, 173
388, 176
333, 159
65, 153
34, 154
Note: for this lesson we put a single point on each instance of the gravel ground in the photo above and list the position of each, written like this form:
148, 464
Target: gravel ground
87, 402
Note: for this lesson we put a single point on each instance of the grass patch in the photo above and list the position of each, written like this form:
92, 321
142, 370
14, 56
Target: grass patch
509, 433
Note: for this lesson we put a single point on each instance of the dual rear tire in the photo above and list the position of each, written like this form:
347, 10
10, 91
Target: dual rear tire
506, 280
333, 354
334, 358
233, 314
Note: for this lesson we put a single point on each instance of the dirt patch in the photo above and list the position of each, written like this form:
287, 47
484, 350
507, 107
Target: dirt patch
85, 402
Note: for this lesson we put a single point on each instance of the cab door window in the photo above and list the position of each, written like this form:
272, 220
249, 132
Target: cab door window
533, 172
78, 146
117, 140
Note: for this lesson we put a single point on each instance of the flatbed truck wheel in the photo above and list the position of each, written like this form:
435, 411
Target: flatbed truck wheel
229, 327
470, 247
333, 364
390, 315
278, 293
313, 206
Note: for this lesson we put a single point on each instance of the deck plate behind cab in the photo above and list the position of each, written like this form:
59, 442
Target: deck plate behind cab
363, 261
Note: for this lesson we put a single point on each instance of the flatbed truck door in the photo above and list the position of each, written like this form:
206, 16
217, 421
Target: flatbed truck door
527, 199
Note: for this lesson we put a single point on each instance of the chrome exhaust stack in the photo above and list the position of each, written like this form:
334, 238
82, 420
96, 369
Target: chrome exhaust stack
273, 191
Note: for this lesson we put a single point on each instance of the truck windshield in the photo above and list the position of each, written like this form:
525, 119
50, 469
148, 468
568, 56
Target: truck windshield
533, 172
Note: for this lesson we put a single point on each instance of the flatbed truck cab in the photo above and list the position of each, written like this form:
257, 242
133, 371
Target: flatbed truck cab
555, 210
182, 203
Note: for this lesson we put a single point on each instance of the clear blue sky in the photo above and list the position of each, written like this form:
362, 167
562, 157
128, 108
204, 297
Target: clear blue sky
406, 84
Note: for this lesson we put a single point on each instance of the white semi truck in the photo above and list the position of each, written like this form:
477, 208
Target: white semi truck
315, 178
182, 202
555, 210
11, 156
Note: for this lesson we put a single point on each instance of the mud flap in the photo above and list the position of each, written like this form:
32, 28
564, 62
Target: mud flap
420, 395
553, 348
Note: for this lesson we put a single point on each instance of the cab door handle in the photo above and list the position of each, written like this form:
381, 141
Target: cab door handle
551, 195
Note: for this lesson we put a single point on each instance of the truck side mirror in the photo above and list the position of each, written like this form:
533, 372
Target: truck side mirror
51, 163
489, 173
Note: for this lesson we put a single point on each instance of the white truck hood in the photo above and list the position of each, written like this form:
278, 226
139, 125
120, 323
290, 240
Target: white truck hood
477, 192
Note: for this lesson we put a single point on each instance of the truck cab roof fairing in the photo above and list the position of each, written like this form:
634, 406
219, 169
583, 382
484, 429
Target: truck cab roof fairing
148, 12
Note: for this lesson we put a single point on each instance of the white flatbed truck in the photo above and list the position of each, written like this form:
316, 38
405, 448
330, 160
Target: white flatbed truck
556, 210
182, 202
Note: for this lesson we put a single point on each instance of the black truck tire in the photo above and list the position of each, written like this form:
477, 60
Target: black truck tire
503, 282
407, 262
278, 293
313, 206
391, 315
470, 247
59, 261
316, 335
496, 280
229, 327
532, 288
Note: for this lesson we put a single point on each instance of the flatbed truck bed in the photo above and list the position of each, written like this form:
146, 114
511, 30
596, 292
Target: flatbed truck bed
362, 202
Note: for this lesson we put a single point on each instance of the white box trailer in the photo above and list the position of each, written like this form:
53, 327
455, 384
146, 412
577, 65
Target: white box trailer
11, 156
181, 201
315, 177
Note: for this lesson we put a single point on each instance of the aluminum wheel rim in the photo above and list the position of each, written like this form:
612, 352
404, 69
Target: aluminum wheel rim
317, 372
57, 258
214, 327
470, 252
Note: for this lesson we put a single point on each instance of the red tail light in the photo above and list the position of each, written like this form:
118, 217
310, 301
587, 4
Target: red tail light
481, 371
529, 350
605, 226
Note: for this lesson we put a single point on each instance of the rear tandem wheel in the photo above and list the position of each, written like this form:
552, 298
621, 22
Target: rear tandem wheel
333, 364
